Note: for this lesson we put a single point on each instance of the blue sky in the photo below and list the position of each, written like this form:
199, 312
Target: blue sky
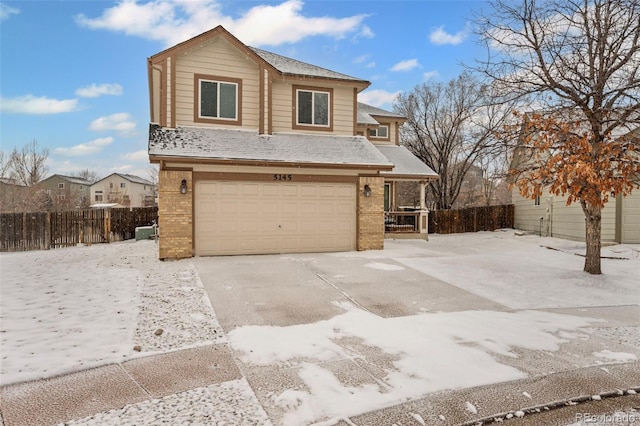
73, 73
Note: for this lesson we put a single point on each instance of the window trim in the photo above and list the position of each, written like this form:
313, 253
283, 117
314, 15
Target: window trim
61, 185
381, 138
197, 118
294, 112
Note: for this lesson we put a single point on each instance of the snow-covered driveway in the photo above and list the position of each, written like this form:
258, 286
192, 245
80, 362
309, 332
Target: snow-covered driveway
321, 337
325, 336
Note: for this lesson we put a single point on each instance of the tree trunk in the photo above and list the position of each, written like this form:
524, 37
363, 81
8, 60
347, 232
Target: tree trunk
593, 216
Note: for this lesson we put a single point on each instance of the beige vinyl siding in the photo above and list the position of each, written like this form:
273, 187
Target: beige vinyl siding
169, 100
528, 215
217, 58
283, 113
155, 88
630, 218
559, 220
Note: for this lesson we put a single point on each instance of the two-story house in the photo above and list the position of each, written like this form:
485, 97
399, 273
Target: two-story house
124, 189
59, 192
260, 153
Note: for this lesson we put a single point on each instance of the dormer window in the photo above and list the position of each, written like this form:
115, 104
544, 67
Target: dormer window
313, 108
381, 132
217, 99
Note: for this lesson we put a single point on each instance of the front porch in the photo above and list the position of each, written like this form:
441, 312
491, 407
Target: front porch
404, 224
405, 218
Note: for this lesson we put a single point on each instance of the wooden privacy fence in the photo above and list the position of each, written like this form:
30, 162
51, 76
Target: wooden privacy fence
45, 230
472, 219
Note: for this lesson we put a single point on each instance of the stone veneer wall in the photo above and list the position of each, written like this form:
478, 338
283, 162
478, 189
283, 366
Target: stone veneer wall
175, 215
371, 214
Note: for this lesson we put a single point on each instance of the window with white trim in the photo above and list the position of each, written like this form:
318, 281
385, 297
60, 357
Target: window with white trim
123, 185
218, 99
313, 107
61, 186
381, 131
98, 196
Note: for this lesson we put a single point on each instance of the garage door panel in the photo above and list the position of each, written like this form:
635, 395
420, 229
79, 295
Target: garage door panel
274, 217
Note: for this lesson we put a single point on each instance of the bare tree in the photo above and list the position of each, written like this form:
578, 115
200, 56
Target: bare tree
29, 164
5, 165
449, 127
90, 175
580, 61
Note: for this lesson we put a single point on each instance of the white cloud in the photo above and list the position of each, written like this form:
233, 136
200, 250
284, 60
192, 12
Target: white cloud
95, 90
88, 148
371, 64
173, 21
360, 59
377, 97
6, 11
29, 104
141, 155
407, 65
120, 122
440, 36
430, 74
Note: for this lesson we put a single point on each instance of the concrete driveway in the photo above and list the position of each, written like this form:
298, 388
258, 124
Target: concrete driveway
299, 293
294, 289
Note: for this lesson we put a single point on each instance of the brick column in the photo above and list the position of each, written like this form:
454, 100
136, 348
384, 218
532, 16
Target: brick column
371, 214
175, 215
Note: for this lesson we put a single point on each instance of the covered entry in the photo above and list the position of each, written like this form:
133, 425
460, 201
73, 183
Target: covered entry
281, 216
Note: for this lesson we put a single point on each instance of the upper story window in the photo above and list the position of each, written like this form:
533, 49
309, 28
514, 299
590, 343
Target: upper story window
536, 202
382, 132
123, 185
61, 186
313, 108
217, 99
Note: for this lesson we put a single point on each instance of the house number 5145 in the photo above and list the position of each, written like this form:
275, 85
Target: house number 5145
284, 178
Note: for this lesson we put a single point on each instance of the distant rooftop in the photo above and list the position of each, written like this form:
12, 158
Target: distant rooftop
366, 113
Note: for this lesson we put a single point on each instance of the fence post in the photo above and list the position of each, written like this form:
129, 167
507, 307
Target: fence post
107, 225
47, 231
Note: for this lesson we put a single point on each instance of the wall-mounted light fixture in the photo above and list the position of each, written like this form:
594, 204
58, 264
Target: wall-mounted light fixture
183, 186
367, 191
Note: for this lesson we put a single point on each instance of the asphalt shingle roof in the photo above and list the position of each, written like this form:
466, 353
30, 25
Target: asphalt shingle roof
406, 164
225, 144
293, 67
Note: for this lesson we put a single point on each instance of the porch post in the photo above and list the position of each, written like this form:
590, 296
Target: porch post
424, 213
423, 204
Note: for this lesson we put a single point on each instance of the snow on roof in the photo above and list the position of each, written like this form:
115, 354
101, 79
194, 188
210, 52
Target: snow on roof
71, 179
406, 164
225, 144
291, 66
135, 179
130, 178
365, 113
371, 110
105, 205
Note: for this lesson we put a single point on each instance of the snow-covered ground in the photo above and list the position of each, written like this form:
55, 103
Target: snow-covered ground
68, 309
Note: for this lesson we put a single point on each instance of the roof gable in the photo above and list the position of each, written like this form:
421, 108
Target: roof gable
70, 179
276, 63
130, 178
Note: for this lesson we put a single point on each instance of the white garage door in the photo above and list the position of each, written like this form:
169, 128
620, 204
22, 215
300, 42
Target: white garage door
274, 217
631, 219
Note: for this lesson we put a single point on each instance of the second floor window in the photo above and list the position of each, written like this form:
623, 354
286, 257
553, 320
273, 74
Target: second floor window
381, 132
61, 186
218, 99
123, 185
313, 107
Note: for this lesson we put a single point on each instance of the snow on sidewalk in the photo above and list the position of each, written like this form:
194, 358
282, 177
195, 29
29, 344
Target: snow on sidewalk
69, 309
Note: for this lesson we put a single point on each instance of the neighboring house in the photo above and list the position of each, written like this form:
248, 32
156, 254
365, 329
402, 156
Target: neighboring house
549, 215
260, 153
13, 196
59, 192
126, 190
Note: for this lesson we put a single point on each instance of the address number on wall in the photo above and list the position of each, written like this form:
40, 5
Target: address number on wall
282, 178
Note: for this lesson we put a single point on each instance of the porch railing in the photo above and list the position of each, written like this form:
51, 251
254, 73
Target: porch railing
401, 222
